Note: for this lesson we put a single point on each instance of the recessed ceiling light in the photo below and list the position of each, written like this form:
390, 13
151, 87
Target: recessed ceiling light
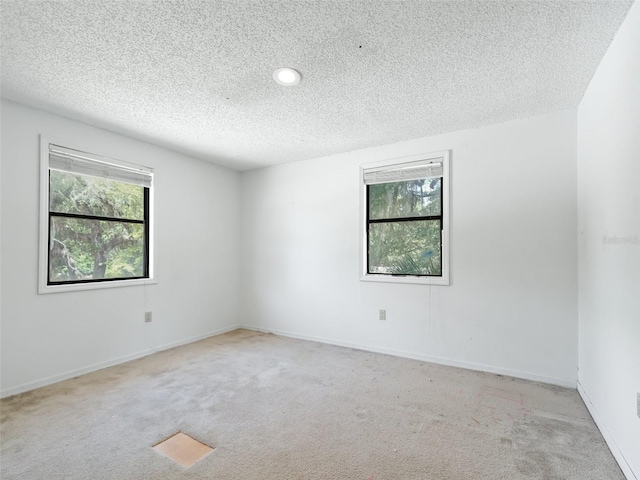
286, 76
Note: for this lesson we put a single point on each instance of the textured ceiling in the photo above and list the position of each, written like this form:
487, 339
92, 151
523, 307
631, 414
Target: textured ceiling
195, 76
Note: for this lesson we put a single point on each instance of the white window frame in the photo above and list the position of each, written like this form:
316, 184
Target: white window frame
43, 264
413, 160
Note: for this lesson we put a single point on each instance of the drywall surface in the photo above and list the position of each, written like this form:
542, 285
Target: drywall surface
49, 337
511, 307
609, 244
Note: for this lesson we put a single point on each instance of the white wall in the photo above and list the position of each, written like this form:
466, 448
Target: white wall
49, 337
512, 303
609, 244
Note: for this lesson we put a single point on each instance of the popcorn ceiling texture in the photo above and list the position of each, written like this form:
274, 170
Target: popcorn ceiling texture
195, 76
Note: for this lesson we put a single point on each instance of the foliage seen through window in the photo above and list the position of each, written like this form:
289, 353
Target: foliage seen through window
404, 227
97, 229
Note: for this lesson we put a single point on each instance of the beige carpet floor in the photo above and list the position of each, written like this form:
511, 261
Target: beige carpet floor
279, 408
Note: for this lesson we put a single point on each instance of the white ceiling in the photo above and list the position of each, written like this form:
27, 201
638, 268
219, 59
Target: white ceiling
195, 76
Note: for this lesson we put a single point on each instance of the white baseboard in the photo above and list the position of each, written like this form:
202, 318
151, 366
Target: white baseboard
562, 382
617, 454
25, 387
398, 353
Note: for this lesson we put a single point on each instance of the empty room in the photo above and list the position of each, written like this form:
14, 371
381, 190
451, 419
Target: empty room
320, 239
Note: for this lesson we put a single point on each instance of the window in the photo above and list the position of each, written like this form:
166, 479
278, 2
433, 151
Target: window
95, 221
405, 220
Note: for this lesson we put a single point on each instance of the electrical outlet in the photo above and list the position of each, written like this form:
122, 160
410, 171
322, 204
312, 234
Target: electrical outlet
382, 315
148, 317
638, 405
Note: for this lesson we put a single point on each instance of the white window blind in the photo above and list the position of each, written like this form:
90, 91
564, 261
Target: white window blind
82, 163
403, 173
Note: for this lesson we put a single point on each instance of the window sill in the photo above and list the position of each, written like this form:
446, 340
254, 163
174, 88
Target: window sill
400, 279
75, 287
